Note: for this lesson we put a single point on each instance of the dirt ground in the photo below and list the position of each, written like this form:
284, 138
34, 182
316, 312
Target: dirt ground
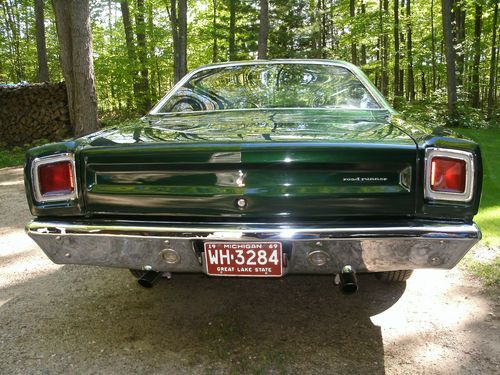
86, 320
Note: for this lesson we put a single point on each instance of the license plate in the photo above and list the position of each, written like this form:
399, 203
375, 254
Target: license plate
252, 259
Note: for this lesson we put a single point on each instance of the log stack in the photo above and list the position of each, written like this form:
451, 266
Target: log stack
33, 112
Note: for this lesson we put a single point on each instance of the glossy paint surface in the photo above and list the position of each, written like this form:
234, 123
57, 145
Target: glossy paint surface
287, 164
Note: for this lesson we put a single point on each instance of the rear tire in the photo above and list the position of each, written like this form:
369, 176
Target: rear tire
394, 276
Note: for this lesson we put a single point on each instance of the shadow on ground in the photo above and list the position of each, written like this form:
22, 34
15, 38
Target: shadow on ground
99, 320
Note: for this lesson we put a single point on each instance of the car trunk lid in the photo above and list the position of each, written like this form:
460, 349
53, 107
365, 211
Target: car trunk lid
275, 164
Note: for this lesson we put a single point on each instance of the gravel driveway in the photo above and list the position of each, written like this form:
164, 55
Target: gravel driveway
76, 319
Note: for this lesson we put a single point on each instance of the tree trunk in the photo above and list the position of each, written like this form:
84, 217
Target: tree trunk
129, 42
354, 48
182, 37
410, 85
458, 13
43, 68
363, 46
144, 99
232, 28
477, 57
493, 64
433, 48
175, 39
451, 79
263, 29
178, 20
214, 22
75, 39
424, 85
383, 45
396, 49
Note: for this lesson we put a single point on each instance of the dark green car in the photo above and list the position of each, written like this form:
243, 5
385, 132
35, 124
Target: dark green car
261, 169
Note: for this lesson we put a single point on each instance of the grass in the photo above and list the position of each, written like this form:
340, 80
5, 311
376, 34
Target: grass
488, 217
11, 158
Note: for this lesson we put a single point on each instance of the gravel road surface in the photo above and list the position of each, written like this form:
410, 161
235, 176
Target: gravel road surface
86, 320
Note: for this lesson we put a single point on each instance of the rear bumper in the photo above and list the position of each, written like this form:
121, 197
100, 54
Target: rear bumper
375, 247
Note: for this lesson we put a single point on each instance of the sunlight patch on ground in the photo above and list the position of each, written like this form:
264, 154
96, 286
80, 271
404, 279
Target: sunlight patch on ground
21, 259
12, 182
428, 286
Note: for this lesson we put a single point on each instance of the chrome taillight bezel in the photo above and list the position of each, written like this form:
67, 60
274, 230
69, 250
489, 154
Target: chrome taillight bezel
43, 198
465, 156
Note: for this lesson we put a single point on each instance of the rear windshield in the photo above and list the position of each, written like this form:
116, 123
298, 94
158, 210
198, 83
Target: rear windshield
270, 86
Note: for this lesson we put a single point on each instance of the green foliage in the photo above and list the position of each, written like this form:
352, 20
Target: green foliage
15, 156
489, 215
298, 29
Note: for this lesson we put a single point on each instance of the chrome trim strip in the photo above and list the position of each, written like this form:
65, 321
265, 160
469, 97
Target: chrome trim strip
37, 162
285, 232
467, 157
364, 80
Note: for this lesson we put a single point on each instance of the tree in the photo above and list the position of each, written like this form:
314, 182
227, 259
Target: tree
433, 48
475, 102
363, 45
43, 68
458, 19
232, 27
354, 48
451, 79
263, 29
75, 40
129, 42
410, 85
214, 21
493, 63
178, 21
144, 99
396, 49
383, 46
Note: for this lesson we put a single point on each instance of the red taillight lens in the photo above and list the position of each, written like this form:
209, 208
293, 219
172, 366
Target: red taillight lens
448, 175
56, 178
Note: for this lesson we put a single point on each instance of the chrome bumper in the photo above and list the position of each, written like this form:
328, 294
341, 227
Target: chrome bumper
367, 248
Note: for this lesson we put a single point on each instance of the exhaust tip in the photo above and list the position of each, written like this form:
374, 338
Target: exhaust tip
149, 279
348, 281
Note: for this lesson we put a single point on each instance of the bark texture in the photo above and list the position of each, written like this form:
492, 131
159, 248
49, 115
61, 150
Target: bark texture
41, 49
178, 20
451, 78
475, 98
493, 64
144, 99
263, 29
75, 40
232, 30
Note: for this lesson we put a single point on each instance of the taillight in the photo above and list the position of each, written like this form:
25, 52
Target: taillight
449, 175
54, 178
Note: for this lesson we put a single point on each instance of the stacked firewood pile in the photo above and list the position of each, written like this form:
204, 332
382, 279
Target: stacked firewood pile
33, 112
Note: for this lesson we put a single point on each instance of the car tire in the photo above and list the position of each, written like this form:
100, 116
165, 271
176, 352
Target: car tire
394, 276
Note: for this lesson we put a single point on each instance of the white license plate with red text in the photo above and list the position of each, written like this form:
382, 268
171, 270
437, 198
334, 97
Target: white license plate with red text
252, 259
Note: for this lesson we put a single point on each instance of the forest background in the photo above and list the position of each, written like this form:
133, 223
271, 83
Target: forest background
435, 60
